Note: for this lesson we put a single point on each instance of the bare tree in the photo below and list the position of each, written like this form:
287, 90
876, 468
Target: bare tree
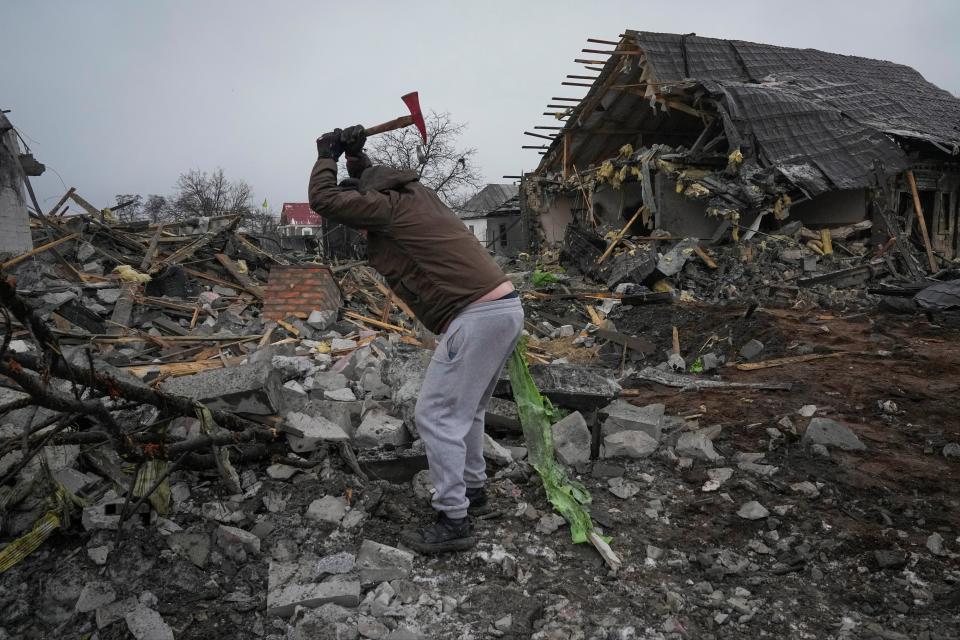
129, 207
441, 164
261, 220
156, 209
211, 194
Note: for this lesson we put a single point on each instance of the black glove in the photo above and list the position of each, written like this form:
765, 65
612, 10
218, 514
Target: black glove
329, 145
353, 139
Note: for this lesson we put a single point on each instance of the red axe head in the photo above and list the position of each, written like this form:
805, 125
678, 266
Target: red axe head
412, 100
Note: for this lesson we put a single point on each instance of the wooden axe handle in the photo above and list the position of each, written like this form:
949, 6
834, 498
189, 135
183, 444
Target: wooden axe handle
397, 123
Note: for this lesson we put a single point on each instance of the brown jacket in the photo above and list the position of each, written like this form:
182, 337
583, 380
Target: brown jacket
427, 255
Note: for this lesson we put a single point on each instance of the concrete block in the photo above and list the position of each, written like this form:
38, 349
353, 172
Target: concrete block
307, 433
75, 481
329, 381
293, 366
329, 509
336, 564
340, 344
95, 595
698, 444
378, 563
379, 429
345, 415
253, 388
629, 444
372, 384
104, 515
831, 433
672, 261
572, 439
110, 613
321, 320
146, 624
98, 555
279, 471
623, 416
232, 538
291, 584
195, 546
340, 395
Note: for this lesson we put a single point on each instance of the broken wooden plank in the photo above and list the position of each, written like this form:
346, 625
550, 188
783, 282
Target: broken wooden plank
707, 260
620, 234
289, 328
923, 223
185, 252
175, 369
29, 254
382, 288
625, 298
688, 383
151, 249
252, 247
376, 323
86, 206
779, 362
244, 279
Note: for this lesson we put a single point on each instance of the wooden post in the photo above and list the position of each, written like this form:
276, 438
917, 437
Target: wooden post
620, 234
566, 154
920, 219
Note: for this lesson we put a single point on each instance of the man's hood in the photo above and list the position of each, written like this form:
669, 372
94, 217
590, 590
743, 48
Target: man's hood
380, 178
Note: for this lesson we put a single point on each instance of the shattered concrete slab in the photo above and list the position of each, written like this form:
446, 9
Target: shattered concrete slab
293, 584
251, 388
379, 562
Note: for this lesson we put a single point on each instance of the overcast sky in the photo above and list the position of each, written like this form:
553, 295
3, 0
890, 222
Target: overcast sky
121, 97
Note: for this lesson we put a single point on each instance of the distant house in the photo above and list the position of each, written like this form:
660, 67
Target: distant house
297, 219
493, 216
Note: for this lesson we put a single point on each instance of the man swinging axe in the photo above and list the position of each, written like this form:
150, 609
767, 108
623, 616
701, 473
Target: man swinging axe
449, 280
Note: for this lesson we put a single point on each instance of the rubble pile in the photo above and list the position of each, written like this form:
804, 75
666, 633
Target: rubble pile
195, 446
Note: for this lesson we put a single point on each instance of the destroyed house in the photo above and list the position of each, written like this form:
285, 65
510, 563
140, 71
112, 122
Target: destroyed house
687, 136
493, 216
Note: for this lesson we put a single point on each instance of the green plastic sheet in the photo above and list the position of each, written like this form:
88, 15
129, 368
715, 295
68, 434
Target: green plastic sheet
537, 415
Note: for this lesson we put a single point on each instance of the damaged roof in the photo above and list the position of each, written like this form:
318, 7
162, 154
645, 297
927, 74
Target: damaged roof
493, 198
821, 120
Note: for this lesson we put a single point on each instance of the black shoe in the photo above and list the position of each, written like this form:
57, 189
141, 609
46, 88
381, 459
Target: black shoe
445, 535
479, 503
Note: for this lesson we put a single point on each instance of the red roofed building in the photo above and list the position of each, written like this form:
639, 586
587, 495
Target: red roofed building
297, 219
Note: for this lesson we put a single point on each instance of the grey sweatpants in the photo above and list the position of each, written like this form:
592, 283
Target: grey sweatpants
456, 389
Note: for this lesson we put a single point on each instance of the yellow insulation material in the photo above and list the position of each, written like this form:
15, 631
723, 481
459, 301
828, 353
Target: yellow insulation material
29, 542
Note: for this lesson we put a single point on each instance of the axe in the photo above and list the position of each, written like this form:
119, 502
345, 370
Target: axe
412, 100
